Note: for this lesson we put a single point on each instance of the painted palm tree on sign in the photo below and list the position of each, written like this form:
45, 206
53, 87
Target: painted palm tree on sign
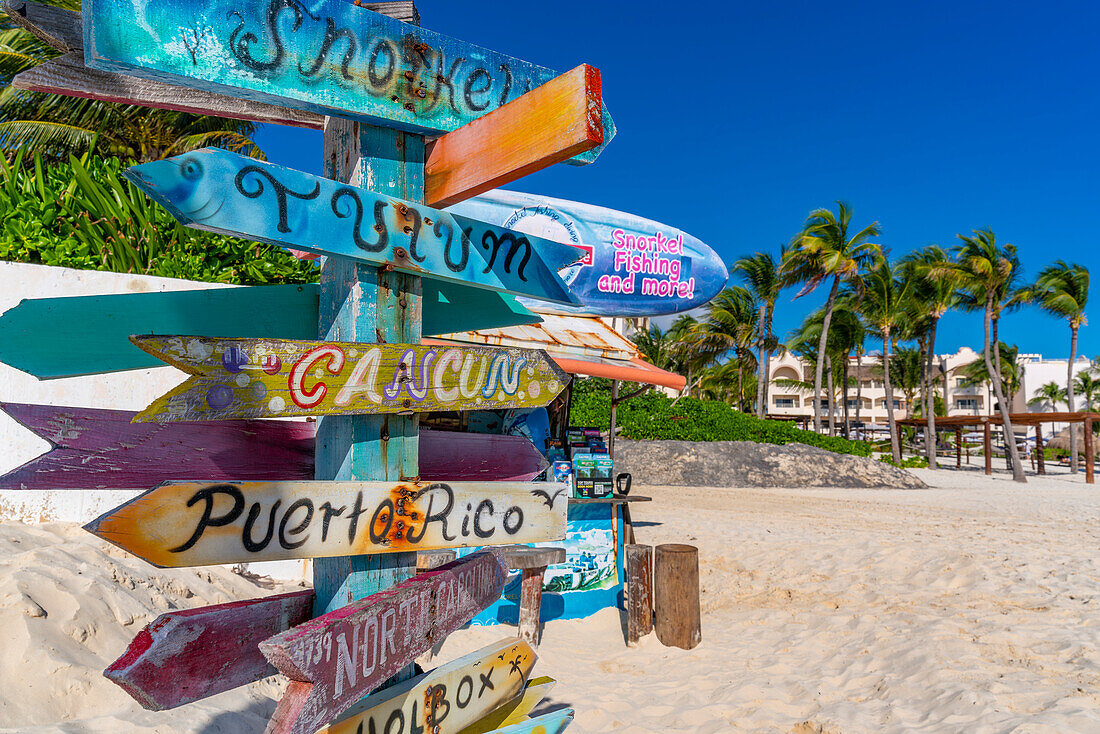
1062, 290
884, 304
760, 273
987, 274
935, 292
1049, 394
826, 248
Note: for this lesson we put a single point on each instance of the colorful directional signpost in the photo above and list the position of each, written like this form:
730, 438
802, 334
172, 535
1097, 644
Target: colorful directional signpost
254, 378
193, 524
361, 502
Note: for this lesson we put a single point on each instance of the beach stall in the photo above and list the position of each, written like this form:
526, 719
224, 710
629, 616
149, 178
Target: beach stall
592, 576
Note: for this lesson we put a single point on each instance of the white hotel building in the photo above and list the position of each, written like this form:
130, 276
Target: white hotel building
788, 402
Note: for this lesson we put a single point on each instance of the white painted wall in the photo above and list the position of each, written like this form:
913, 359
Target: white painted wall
132, 390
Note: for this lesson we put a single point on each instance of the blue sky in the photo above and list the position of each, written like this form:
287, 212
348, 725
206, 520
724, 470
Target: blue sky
736, 119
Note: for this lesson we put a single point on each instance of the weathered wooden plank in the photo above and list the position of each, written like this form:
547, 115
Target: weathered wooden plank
219, 191
103, 449
329, 57
252, 378
548, 125
187, 655
200, 523
334, 660
64, 29
448, 698
86, 335
515, 710
69, 76
554, 722
632, 266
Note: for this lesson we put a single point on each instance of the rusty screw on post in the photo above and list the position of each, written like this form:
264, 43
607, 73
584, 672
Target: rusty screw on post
399, 252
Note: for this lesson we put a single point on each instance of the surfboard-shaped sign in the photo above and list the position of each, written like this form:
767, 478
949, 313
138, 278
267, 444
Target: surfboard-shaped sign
631, 266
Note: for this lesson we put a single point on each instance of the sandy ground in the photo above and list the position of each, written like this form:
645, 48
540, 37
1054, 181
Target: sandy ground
972, 606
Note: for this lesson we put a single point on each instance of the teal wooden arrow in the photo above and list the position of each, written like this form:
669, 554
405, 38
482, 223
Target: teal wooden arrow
218, 191
85, 335
325, 56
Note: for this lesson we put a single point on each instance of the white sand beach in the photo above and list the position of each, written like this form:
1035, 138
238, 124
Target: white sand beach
972, 606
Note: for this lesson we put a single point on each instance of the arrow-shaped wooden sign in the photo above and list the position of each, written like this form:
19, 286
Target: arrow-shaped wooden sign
328, 57
187, 655
103, 449
219, 191
334, 660
515, 710
449, 698
254, 378
86, 335
198, 524
554, 722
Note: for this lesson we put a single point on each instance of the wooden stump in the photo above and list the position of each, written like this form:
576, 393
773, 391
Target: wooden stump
1090, 455
676, 598
639, 592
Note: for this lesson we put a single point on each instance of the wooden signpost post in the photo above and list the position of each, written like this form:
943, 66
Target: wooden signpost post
252, 378
202, 524
335, 659
218, 191
449, 698
187, 655
103, 449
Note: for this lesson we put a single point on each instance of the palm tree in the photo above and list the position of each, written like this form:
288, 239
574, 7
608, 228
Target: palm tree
1087, 385
935, 292
761, 276
987, 273
907, 372
884, 303
977, 373
824, 249
846, 335
1051, 393
729, 326
655, 345
1062, 290
56, 125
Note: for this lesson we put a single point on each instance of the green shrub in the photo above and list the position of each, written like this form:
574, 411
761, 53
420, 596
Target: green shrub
913, 462
651, 415
85, 214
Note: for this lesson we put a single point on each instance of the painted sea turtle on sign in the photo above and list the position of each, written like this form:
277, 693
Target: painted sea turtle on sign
631, 267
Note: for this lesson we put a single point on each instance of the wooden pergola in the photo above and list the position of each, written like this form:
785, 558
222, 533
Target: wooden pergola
959, 422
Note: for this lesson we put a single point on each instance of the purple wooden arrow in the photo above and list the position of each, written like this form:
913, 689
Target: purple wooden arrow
102, 449
186, 655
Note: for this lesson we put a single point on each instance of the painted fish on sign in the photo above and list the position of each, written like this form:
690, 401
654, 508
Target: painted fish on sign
631, 266
327, 56
447, 699
219, 191
198, 524
334, 660
267, 378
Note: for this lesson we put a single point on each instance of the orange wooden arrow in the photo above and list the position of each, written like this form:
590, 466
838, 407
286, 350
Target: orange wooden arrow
548, 125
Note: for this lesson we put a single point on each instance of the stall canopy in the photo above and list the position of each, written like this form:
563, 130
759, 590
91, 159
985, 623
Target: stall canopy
580, 346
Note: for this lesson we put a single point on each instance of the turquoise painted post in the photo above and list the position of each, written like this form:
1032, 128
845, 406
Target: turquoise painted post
364, 303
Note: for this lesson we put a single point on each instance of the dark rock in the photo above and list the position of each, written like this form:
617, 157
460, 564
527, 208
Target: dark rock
748, 464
